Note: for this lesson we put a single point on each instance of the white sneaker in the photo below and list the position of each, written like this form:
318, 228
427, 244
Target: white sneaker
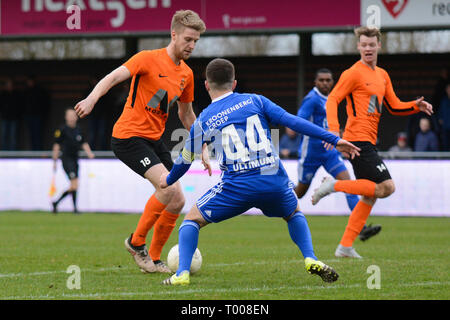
140, 256
346, 252
323, 190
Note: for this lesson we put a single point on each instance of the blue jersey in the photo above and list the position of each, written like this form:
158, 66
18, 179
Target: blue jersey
238, 126
313, 109
312, 153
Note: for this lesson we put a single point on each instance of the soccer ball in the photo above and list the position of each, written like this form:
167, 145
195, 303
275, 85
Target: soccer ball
173, 258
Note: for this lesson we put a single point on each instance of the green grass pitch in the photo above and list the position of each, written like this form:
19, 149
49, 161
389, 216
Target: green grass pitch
245, 258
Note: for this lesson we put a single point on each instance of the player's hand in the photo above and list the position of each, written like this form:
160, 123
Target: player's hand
424, 106
54, 165
84, 107
163, 181
329, 146
91, 155
205, 159
347, 148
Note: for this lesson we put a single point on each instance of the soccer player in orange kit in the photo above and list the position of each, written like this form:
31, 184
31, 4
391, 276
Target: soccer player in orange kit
160, 79
367, 89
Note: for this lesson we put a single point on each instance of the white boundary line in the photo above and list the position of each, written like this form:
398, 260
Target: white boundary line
83, 270
43, 273
149, 294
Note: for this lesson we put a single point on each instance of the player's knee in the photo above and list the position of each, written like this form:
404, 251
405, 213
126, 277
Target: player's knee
177, 201
386, 188
390, 189
294, 214
195, 215
179, 204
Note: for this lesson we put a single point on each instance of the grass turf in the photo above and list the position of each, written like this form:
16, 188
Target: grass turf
248, 257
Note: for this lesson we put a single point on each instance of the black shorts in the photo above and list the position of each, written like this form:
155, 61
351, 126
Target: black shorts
70, 166
141, 154
369, 165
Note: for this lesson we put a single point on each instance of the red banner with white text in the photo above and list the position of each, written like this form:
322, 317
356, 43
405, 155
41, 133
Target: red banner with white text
72, 17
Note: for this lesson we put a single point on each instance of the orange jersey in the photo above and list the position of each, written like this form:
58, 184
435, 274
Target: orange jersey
156, 85
367, 91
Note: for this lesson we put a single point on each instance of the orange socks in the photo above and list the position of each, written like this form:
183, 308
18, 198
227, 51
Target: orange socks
151, 213
163, 228
356, 222
361, 187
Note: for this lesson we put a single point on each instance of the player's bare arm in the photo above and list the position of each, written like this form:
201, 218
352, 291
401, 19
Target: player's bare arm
424, 106
55, 154
88, 150
187, 118
347, 148
186, 114
84, 107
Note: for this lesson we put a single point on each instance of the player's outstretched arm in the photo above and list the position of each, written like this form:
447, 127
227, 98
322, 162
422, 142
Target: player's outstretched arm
186, 114
277, 115
205, 159
194, 145
424, 106
180, 167
84, 107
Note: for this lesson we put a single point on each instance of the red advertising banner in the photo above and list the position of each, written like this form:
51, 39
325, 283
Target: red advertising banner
68, 17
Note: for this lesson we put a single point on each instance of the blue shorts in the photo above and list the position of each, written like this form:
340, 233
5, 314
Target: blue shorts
331, 161
273, 195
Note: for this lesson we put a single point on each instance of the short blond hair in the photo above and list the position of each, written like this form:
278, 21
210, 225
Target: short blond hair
187, 19
368, 32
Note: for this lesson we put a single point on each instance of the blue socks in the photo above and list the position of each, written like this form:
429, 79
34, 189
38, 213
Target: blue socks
352, 200
300, 234
187, 244
189, 231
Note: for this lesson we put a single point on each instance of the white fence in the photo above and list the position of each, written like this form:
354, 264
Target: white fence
107, 185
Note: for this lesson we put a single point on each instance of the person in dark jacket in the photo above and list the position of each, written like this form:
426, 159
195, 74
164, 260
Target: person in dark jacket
69, 140
426, 139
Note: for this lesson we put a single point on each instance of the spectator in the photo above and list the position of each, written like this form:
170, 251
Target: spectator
402, 143
9, 116
438, 94
439, 89
36, 105
289, 144
426, 139
444, 118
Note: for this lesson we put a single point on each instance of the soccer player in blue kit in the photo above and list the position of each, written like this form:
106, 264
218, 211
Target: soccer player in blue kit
253, 176
312, 153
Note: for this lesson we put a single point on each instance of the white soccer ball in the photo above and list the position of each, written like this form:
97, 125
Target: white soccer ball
173, 259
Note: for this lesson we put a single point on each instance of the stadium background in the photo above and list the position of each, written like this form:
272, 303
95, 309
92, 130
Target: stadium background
283, 78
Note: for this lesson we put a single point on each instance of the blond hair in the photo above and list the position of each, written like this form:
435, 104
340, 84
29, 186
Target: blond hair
368, 32
187, 19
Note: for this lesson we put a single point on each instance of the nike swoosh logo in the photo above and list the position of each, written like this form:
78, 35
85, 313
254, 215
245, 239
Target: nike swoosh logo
162, 76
